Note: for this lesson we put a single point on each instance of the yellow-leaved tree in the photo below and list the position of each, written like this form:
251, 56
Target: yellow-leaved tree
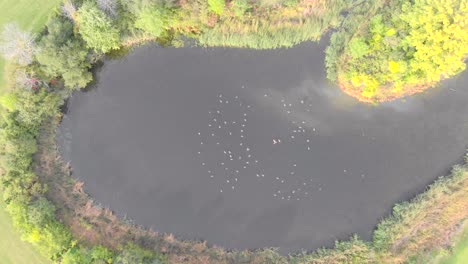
407, 47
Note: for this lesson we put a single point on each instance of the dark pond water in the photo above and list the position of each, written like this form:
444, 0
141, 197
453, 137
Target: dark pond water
249, 149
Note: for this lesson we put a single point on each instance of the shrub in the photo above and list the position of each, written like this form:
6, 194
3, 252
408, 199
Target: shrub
132, 254
240, 7
82, 255
217, 6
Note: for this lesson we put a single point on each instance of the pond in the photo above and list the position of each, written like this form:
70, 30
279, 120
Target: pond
251, 149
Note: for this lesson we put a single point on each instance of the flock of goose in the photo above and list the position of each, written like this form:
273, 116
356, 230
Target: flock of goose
225, 135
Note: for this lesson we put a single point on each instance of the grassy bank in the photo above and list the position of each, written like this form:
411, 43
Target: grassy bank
52, 211
427, 223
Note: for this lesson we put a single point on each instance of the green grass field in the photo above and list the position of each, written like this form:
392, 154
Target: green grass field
30, 15
12, 249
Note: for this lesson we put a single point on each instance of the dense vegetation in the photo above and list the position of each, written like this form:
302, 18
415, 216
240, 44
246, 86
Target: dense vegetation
43, 70
405, 47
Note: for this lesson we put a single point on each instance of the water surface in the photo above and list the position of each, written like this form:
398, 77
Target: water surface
249, 149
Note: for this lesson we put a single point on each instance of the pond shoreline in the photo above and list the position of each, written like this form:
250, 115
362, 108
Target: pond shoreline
196, 53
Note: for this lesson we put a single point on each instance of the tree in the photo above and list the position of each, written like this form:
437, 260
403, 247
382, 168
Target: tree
17, 45
52, 240
438, 37
62, 54
358, 48
34, 107
153, 20
407, 46
97, 29
41, 212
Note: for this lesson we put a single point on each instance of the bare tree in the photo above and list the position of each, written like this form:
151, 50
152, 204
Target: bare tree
108, 6
69, 10
26, 81
17, 45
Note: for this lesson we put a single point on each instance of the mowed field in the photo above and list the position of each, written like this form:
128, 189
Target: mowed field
30, 15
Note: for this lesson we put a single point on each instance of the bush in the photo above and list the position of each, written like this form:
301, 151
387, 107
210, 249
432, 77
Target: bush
82, 255
132, 254
240, 7
217, 6
354, 251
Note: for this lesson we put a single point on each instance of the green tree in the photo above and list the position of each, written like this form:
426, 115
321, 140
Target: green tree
406, 46
358, 48
62, 54
41, 212
34, 107
438, 37
154, 20
97, 29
